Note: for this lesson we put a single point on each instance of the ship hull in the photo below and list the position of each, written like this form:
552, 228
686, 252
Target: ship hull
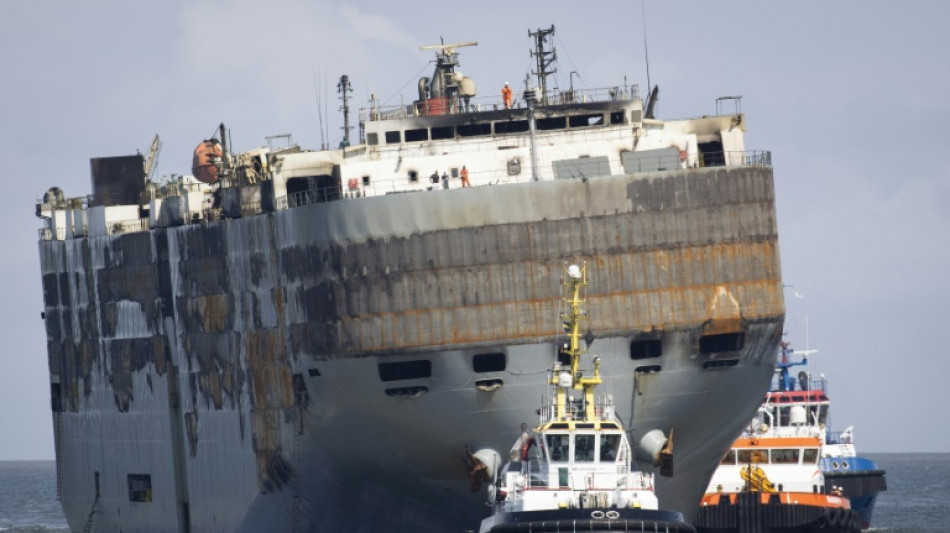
233, 367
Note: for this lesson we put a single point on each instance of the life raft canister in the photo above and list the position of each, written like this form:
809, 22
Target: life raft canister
202, 164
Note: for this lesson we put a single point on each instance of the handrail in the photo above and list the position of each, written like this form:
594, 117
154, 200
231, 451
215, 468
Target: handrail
494, 103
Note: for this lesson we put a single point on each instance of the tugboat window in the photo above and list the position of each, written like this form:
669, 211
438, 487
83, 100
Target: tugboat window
729, 458
559, 446
583, 448
785, 456
609, 444
810, 456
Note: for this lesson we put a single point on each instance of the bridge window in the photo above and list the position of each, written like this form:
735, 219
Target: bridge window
617, 117
583, 448
810, 456
372, 139
552, 123
559, 445
444, 132
421, 134
473, 130
609, 444
511, 126
785, 456
393, 137
583, 121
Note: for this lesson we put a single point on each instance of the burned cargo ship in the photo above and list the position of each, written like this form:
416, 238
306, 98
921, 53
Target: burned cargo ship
309, 340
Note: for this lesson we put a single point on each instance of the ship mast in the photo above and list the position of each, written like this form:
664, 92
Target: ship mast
575, 280
544, 59
344, 88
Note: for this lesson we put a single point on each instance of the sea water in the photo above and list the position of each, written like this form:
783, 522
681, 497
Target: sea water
917, 499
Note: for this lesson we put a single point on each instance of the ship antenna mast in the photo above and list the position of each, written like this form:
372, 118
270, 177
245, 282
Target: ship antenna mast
544, 59
574, 281
344, 88
646, 51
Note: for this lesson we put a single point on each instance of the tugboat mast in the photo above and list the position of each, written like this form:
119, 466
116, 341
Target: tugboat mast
576, 279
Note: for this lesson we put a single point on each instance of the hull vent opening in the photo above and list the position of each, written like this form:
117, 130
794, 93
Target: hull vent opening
720, 363
489, 362
722, 342
645, 349
407, 392
406, 370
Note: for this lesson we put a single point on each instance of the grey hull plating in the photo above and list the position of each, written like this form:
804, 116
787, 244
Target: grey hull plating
235, 362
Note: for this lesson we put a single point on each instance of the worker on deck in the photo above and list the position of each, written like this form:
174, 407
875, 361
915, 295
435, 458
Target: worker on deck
464, 175
506, 95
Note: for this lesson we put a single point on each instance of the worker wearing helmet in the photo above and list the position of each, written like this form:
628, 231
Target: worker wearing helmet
506, 95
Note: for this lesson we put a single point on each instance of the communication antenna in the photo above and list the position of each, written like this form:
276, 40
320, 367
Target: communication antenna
544, 59
316, 95
344, 88
646, 50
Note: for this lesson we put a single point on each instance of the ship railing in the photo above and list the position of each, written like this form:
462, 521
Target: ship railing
495, 103
128, 226
250, 209
838, 437
52, 234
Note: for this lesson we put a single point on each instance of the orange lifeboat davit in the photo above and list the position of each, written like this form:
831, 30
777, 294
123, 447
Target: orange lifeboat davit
203, 162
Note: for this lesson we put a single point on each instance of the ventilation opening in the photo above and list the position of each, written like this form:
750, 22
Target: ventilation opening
313, 372
413, 176
645, 349
140, 487
489, 362
720, 363
722, 342
488, 385
649, 369
407, 392
403, 371
365, 181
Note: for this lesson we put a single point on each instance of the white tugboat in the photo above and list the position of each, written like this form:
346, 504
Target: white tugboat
575, 471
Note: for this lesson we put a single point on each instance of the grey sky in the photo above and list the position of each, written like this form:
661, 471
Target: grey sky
850, 97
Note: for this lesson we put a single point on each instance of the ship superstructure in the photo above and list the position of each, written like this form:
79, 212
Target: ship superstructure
303, 330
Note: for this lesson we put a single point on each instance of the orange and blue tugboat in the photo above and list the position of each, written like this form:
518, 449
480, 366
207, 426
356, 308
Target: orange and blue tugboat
771, 480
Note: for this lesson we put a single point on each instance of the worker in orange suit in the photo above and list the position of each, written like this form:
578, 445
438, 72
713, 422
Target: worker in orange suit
506, 95
464, 176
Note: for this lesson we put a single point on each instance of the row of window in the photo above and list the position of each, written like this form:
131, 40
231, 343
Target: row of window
500, 127
775, 456
583, 448
708, 344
